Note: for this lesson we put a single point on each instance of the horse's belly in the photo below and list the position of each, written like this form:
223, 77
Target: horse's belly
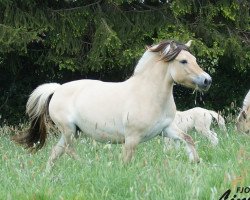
103, 131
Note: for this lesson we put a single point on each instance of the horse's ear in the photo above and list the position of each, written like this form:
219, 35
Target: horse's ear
188, 44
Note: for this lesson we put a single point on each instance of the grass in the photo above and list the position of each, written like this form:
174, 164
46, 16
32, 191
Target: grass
153, 174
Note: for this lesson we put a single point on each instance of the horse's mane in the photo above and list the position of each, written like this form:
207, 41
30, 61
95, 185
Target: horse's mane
168, 50
246, 102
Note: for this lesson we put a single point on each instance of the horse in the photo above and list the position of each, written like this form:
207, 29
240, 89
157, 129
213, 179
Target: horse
200, 119
243, 119
129, 112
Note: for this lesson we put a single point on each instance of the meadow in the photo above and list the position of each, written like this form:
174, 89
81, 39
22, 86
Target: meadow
156, 172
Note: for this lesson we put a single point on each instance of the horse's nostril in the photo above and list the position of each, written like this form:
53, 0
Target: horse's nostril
207, 81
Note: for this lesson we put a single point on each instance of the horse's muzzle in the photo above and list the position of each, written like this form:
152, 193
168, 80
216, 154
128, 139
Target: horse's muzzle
203, 81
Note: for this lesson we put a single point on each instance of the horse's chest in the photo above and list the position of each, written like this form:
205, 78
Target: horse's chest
156, 128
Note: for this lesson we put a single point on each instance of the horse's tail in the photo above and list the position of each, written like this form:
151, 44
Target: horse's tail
37, 110
219, 119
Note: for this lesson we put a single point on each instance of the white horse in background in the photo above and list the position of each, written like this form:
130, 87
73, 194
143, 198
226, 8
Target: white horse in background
128, 112
199, 119
243, 120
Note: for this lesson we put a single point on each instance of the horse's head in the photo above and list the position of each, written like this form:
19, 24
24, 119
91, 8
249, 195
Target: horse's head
183, 67
243, 121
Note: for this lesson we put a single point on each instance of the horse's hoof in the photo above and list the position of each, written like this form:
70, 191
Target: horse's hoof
196, 160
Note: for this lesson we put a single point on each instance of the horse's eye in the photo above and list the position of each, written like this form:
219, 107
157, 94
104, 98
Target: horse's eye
183, 61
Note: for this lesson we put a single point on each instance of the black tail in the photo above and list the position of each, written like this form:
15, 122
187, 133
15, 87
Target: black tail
36, 135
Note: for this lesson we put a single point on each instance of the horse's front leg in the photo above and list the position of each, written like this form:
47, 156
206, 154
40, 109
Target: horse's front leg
175, 133
129, 147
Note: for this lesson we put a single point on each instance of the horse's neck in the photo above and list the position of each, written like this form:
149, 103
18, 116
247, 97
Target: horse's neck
156, 78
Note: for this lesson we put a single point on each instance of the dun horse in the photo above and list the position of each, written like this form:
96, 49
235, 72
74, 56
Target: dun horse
200, 119
128, 112
243, 120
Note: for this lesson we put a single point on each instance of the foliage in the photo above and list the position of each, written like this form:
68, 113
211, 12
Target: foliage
100, 174
43, 41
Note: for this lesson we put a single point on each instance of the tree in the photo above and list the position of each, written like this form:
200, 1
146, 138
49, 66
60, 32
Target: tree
43, 41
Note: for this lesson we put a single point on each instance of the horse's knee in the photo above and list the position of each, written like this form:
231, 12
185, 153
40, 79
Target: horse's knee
71, 151
188, 139
129, 148
69, 136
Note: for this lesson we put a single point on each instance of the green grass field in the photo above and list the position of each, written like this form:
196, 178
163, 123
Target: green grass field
154, 173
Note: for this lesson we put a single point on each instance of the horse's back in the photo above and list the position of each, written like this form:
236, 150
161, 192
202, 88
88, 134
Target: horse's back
64, 97
77, 91
194, 117
184, 120
202, 116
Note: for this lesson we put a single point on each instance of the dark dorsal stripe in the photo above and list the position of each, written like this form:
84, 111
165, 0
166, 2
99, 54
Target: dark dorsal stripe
175, 49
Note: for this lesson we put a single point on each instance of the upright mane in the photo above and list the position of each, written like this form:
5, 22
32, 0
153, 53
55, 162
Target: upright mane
168, 50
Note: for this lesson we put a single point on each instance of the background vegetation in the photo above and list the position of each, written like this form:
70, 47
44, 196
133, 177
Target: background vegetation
60, 41
155, 172
46, 41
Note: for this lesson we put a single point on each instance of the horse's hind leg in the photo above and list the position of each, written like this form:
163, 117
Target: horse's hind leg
69, 146
175, 133
64, 145
212, 136
56, 152
129, 148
